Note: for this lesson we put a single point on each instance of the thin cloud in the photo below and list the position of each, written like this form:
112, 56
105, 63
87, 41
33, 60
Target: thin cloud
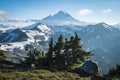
3, 12
106, 10
17, 20
2, 19
85, 12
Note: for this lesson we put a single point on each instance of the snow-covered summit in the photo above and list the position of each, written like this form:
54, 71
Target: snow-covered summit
61, 18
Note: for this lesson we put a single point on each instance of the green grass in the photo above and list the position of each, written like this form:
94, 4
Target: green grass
38, 75
44, 75
75, 66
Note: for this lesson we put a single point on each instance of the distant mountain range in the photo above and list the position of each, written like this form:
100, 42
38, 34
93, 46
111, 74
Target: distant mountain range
101, 39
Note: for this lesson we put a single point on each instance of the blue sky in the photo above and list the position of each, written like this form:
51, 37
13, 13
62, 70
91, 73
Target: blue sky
85, 10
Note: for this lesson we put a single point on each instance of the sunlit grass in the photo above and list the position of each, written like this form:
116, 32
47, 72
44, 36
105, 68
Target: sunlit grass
38, 75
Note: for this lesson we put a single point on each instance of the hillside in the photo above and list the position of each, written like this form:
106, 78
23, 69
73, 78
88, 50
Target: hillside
43, 75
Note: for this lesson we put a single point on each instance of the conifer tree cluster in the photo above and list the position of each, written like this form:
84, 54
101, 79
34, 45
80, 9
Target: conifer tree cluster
60, 55
66, 52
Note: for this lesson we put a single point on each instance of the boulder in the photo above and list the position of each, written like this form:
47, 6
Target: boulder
90, 67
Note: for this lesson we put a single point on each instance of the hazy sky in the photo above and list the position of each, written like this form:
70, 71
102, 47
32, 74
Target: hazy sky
85, 10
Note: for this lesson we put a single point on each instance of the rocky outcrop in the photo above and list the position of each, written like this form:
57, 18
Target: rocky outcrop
90, 67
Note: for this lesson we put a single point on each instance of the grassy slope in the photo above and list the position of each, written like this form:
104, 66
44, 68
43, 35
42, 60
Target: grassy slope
38, 75
44, 75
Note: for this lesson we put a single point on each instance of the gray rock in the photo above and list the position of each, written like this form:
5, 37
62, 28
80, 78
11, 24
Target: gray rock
90, 67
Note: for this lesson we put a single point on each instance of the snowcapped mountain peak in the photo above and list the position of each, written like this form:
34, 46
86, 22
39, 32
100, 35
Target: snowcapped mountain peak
61, 18
63, 15
62, 12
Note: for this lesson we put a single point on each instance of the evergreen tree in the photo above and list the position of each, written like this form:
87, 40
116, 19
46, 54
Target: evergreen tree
71, 51
59, 45
30, 59
79, 55
59, 56
40, 61
2, 58
115, 71
118, 69
49, 55
74, 52
71, 44
68, 51
66, 47
2, 55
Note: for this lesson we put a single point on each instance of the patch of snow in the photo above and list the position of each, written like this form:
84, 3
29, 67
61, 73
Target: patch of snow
44, 28
11, 46
32, 35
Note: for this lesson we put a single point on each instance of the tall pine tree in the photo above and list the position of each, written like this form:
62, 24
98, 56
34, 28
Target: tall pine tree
79, 55
59, 56
49, 55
